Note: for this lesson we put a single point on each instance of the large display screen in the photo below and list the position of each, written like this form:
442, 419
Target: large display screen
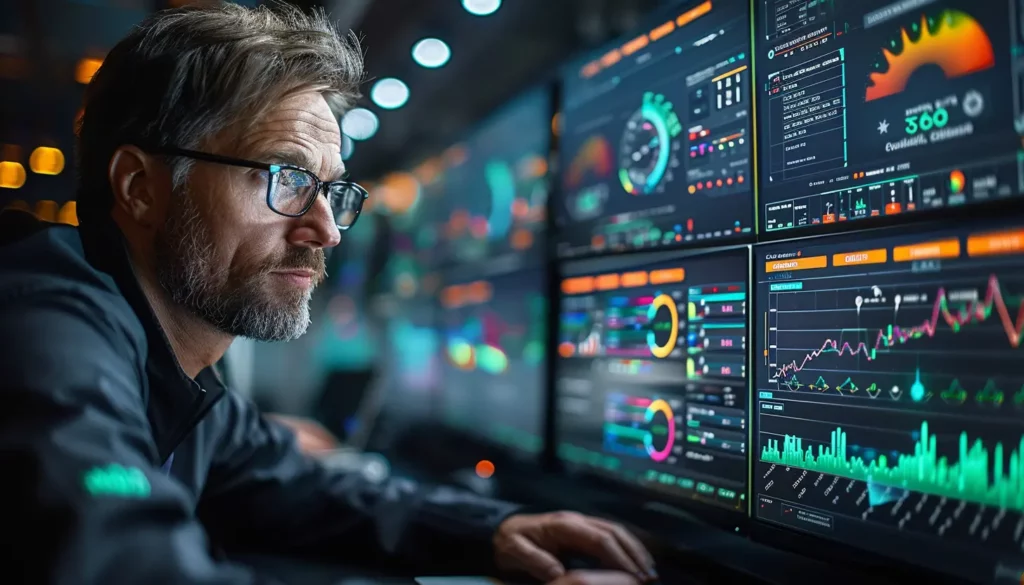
495, 188
890, 395
651, 374
877, 108
656, 142
493, 337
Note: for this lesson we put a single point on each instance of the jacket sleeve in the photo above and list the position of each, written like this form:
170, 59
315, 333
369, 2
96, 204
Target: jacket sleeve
82, 500
264, 494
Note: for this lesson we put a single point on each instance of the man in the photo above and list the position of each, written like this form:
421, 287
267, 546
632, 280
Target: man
121, 450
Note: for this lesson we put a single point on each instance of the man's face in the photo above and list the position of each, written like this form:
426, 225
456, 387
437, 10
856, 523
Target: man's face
223, 253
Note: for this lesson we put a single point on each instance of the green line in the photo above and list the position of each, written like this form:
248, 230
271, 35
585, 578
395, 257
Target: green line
722, 325
624, 431
723, 297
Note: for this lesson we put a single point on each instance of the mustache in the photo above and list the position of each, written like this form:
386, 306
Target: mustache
302, 259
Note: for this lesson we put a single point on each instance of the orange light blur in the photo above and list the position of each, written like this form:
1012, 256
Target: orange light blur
47, 210
46, 160
484, 469
68, 213
566, 349
522, 239
611, 58
12, 175
399, 192
635, 45
86, 69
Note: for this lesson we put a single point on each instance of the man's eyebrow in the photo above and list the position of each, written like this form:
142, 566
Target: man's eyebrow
301, 159
295, 159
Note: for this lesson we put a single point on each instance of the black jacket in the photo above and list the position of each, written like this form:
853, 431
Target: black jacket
117, 467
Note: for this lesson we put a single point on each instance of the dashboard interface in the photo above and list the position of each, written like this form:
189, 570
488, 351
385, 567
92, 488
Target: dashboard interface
889, 407
872, 108
496, 192
493, 332
651, 374
412, 359
656, 140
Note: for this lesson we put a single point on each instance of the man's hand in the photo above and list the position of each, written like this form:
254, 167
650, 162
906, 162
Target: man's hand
311, 436
596, 578
530, 543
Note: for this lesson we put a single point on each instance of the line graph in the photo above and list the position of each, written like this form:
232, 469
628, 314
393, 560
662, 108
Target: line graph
972, 312
940, 336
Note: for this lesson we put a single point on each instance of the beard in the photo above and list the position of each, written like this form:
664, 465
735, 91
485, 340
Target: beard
240, 302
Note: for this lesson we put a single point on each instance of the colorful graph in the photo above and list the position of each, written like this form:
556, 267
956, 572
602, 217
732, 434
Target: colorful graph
485, 340
501, 182
640, 427
594, 158
970, 313
955, 42
976, 474
654, 408
662, 349
647, 145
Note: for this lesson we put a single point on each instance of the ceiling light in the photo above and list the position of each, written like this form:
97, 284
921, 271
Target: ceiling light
389, 93
347, 147
360, 124
431, 53
481, 7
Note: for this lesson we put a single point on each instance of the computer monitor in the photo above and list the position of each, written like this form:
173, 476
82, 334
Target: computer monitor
879, 109
656, 141
889, 411
651, 373
408, 305
495, 198
493, 336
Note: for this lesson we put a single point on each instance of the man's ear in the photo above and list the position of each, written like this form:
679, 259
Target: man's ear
140, 183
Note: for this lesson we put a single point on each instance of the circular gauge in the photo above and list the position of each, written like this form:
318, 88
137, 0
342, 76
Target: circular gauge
664, 326
648, 147
658, 448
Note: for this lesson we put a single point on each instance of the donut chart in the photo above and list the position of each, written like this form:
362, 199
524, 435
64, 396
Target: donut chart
662, 350
660, 406
647, 149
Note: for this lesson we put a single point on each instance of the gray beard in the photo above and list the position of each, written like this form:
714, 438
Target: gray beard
184, 250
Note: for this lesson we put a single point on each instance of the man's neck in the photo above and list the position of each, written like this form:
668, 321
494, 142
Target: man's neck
195, 343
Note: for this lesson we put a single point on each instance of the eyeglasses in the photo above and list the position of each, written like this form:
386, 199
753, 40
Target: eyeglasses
292, 190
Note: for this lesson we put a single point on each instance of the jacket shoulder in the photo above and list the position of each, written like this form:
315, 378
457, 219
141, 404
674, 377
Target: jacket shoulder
43, 267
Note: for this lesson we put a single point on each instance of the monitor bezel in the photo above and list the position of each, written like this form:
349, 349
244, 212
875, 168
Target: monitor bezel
818, 545
981, 209
571, 70
634, 501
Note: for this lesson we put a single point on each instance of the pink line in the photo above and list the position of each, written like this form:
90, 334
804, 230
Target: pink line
973, 312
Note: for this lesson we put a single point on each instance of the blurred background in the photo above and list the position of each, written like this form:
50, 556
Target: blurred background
443, 283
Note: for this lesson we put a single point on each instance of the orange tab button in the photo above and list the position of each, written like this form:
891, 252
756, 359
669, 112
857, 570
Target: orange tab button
808, 263
927, 251
993, 244
879, 256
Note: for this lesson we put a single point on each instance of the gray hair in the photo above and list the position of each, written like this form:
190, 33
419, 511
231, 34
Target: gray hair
184, 75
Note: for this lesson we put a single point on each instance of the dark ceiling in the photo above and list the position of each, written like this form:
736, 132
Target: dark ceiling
493, 58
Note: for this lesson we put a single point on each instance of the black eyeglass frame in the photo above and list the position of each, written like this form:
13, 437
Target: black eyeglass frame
322, 187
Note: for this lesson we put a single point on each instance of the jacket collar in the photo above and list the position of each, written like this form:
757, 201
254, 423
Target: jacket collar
174, 402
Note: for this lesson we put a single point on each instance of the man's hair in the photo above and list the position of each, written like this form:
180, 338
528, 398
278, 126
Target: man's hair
183, 75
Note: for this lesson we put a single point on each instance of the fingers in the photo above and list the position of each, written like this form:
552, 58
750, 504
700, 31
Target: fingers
592, 539
532, 559
631, 544
596, 578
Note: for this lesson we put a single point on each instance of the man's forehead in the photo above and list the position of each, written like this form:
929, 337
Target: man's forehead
307, 124
301, 126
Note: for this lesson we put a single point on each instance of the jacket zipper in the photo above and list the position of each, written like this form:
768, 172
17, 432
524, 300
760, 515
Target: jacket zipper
200, 410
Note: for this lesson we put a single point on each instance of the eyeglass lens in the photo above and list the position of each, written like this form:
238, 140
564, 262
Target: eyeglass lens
292, 190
